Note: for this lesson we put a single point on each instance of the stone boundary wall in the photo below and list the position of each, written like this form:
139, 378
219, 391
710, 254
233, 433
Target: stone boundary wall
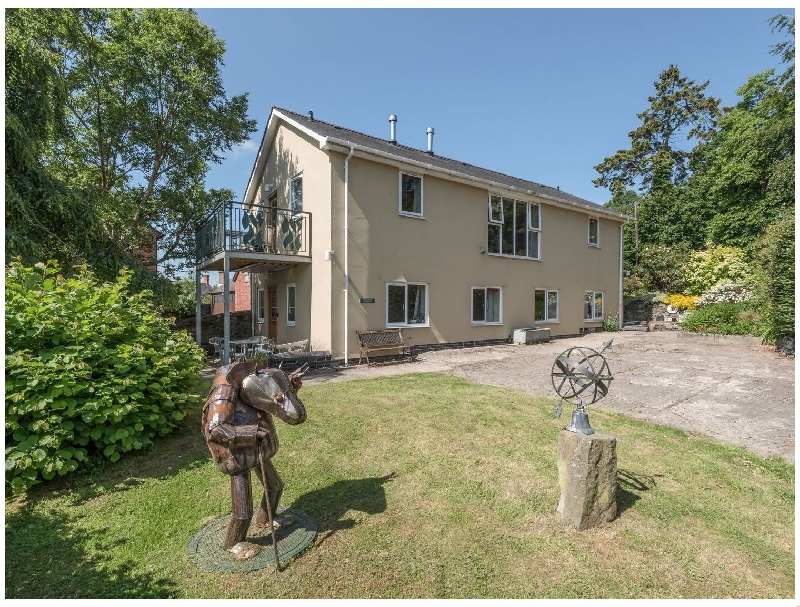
212, 325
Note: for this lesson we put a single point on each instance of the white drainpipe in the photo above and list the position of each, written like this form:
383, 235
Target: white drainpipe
621, 270
346, 249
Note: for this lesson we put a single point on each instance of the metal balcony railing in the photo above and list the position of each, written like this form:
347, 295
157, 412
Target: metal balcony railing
235, 227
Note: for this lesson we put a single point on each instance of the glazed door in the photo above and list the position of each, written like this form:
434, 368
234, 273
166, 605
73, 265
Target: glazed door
272, 303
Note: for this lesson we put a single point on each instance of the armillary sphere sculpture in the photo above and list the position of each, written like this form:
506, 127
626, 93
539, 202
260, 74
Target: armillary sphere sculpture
581, 376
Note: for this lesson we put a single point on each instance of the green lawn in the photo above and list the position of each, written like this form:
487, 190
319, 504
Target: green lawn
422, 486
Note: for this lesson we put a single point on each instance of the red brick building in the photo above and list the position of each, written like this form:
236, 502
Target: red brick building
239, 293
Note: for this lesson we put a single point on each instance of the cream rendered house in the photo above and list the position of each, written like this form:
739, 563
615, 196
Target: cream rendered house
344, 232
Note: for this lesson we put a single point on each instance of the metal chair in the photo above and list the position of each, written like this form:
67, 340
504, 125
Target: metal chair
217, 343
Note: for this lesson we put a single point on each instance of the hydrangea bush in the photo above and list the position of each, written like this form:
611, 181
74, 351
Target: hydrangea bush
92, 371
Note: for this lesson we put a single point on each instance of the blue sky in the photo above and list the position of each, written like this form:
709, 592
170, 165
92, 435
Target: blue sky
541, 94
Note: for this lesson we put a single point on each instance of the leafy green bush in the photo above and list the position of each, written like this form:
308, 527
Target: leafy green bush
777, 260
661, 267
91, 371
611, 323
716, 265
724, 319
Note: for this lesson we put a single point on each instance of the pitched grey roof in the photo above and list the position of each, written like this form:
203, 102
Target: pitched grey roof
385, 146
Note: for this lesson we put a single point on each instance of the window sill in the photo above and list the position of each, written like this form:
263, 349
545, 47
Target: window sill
412, 215
260, 321
412, 326
592, 320
291, 324
594, 246
514, 257
547, 322
486, 324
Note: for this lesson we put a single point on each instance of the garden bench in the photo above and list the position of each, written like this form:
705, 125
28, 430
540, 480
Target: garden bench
381, 340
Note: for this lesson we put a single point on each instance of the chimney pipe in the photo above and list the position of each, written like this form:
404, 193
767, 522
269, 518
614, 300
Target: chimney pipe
392, 129
311, 114
430, 140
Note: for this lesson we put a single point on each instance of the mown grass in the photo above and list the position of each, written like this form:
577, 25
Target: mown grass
423, 486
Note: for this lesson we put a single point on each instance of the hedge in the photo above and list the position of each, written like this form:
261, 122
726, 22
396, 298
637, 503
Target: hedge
92, 371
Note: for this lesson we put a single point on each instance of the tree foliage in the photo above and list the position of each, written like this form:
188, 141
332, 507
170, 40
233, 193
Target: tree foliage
139, 116
679, 111
91, 371
734, 185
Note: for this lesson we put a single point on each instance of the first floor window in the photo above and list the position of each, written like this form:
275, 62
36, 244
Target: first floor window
486, 305
593, 305
406, 304
410, 194
513, 227
594, 231
296, 194
260, 305
291, 292
545, 305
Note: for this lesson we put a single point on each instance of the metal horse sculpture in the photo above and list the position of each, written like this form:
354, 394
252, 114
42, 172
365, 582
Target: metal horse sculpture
238, 427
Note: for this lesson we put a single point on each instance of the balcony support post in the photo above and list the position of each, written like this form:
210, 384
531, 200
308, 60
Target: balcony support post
226, 309
198, 310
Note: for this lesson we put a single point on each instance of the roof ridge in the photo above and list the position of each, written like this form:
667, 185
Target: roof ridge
400, 145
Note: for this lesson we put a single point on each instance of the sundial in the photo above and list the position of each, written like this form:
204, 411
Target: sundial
581, 377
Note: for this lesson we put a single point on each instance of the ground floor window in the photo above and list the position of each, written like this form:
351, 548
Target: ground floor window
406, 304
545, 305
593, 305
486, 305
260, 305
291, 306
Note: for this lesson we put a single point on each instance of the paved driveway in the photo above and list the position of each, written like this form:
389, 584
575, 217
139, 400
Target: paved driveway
731, 389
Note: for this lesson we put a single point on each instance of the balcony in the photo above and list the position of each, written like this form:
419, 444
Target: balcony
253, 237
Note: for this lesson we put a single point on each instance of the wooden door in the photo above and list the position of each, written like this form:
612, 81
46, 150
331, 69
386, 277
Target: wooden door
272, 303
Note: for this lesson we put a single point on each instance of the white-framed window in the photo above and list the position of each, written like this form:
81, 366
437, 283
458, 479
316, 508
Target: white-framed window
487, 306
594, 231
514, 227
545, 305
247, 276
260, 307
406, 304
410, 195
593, 305
291, 305
296, 193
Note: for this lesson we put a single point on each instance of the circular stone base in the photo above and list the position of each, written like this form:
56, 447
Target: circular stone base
206, 551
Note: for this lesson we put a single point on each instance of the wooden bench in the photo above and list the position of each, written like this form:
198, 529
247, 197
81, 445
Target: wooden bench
381, 340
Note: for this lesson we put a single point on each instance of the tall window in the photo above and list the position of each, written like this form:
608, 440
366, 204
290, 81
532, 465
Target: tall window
406, 304
594, 231
593, 305
410, 195
514, 227
545, 305
296, 194
486, 305
291, 309
260, 305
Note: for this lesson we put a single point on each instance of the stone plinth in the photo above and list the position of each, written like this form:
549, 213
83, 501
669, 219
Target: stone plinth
587, 475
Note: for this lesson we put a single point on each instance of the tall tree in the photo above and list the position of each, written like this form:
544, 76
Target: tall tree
44, 218
679, 111
746, 171
146, 116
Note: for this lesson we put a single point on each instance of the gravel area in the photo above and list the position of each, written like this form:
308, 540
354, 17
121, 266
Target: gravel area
732, 389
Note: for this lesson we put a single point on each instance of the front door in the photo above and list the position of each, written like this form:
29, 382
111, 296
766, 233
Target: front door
272, 303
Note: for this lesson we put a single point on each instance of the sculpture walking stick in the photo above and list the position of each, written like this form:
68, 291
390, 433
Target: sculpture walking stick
269, 515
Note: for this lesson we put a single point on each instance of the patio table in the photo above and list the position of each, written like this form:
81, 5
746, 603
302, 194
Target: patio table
242, 349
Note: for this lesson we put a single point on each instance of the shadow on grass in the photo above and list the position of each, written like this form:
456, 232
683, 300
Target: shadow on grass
630, 487
46, 559
330, 504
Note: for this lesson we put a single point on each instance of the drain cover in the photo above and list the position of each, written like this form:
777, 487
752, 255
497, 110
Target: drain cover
206, 551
